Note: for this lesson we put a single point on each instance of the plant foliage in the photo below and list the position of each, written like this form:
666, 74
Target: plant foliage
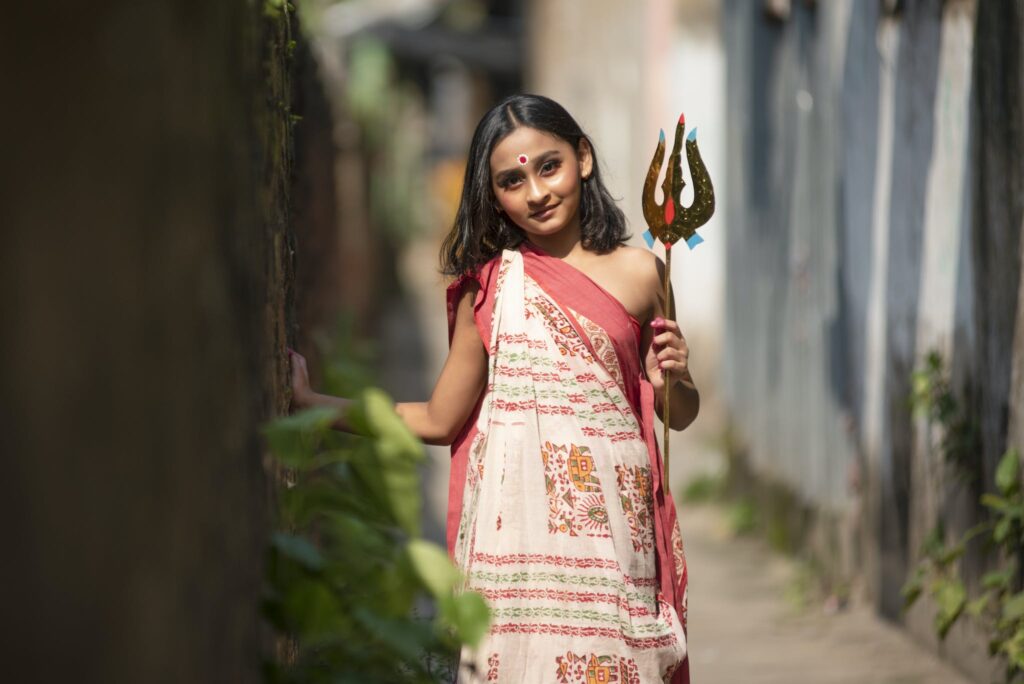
1000, 605
346, 569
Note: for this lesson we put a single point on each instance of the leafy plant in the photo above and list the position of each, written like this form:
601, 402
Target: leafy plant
932, 395
1000, 606
742, 517
346, 567
704, 488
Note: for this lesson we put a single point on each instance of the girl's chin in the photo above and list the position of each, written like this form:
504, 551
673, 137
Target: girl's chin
544, 229
549, 226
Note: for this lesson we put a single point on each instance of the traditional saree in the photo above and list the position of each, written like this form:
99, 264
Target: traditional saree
556, 510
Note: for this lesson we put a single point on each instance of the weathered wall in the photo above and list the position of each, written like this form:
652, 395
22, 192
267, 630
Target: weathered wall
146, 266
875, 214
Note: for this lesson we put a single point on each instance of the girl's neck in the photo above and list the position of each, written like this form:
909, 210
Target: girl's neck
564, 244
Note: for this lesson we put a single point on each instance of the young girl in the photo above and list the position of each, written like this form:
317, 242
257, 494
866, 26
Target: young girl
558, 357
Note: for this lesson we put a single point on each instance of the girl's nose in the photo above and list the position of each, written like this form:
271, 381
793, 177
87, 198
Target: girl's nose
538, 192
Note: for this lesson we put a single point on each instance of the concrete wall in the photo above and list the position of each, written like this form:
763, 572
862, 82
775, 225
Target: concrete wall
146, 266
875, 170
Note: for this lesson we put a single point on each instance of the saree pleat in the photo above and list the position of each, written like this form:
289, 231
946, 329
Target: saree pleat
556, 513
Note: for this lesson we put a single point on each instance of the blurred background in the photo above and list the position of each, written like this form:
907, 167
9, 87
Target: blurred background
192, 187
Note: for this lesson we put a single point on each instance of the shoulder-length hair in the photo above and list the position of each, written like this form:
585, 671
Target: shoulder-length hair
480, 231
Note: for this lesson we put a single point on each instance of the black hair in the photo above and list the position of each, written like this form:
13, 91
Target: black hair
480, 231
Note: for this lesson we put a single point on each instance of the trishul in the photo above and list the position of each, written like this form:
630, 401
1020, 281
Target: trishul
670, 221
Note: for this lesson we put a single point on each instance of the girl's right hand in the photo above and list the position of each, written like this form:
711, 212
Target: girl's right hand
301, 391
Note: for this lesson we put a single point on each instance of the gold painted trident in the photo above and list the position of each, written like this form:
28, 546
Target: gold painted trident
670, 221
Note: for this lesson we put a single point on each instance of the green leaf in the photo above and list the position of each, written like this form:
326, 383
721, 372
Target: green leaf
299, 549
433, 567
300, 505
949, 555
1013, 608
405, 637
356, 540
998, 579
951, 596
932, 545
996, 503
397, 453
468, 615
1008, 471
1002, 530
911, 591
313, 609
920, 391
294, 439
1013, 647
976, 607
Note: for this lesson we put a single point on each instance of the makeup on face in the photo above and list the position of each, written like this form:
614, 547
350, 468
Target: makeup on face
545, 163
536, 181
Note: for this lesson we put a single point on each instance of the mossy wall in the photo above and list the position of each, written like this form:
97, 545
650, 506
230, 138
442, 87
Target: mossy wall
147, 271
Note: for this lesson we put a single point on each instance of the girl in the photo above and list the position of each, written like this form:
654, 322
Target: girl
558, 353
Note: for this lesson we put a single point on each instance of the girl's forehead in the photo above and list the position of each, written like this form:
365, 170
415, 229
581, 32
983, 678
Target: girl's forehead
525, 141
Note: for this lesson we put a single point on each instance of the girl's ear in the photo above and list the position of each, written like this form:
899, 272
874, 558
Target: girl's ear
586, 159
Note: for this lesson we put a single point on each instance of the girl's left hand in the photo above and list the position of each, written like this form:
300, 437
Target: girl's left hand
668, 352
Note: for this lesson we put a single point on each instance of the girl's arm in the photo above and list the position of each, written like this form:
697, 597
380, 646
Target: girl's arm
439, 420
668, 351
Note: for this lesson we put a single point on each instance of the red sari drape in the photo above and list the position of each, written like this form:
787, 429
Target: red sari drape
609, 341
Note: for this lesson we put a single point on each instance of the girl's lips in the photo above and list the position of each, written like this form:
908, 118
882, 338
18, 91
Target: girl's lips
544, 213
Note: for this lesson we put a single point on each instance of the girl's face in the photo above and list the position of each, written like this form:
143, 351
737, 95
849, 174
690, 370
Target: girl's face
536, 179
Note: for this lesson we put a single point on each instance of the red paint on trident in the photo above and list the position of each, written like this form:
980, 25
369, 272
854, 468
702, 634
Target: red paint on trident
670, 211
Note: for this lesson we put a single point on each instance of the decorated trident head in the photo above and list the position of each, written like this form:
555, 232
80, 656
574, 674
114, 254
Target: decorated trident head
670, 221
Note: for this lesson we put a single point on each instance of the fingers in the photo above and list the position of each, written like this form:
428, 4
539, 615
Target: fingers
668, 339
664, 324
298, 363
673, 354
678, 367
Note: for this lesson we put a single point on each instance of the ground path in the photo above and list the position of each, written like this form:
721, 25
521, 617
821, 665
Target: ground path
744, 630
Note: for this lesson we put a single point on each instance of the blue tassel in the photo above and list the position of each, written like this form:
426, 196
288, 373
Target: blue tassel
649, 239
694, 240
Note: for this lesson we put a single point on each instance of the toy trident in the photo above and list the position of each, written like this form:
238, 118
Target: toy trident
671, 221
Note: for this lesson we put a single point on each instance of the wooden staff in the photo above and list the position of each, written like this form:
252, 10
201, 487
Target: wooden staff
668, 225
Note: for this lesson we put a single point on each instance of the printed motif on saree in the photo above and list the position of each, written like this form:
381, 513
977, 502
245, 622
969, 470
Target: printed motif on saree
561, 522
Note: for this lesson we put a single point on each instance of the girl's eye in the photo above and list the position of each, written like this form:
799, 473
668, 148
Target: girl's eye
549, 166
507, 183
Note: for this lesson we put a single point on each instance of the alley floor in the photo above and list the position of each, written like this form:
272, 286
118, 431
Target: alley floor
746, 626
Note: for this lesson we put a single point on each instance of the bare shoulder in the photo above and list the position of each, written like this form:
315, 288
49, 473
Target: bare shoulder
631, 275
640, 266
